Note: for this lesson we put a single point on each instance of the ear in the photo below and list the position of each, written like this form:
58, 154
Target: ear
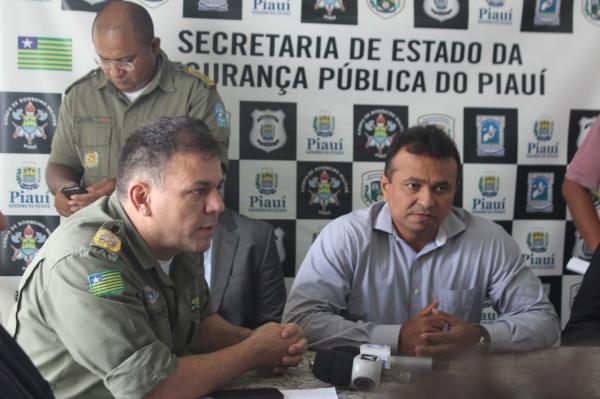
155, 43
139, 196
385, 186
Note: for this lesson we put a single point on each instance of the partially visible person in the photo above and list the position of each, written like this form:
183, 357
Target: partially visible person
244, 271
583, 327
3, 222
18, 376
583, 176
135, 82
413, 272
115, 303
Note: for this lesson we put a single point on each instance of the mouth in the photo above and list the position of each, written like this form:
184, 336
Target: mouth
207, 229
423, 216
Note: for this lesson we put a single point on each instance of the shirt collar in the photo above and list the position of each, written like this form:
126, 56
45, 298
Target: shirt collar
137, 244
452, 225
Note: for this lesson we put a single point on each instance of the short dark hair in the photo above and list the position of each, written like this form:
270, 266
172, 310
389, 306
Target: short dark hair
139, 19
426, 140
148, 149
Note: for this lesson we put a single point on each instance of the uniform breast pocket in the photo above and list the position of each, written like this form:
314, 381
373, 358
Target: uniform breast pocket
463, 303
93, 142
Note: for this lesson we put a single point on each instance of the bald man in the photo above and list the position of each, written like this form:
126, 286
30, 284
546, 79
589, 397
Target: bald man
134, 82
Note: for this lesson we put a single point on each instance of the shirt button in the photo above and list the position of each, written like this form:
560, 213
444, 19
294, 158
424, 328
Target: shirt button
417, 291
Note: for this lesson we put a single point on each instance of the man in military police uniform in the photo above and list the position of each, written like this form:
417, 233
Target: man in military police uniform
116, 304
135, 82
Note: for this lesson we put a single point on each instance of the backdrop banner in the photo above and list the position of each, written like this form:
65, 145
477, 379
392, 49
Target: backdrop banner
315, 91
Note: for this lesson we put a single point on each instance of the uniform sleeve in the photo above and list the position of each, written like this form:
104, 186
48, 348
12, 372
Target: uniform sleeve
270, 288
527, 320
206, 104
63, 151
109, 335
584, 168
317, 301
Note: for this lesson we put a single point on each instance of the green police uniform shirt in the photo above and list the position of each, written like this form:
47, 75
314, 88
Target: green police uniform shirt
95, 118
96, 313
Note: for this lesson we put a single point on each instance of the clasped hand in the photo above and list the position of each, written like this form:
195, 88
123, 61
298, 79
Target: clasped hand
432, 332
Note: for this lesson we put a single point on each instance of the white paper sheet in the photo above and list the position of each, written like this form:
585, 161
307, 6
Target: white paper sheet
317, 393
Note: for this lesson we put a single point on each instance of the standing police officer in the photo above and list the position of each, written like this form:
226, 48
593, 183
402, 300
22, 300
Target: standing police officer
135, 82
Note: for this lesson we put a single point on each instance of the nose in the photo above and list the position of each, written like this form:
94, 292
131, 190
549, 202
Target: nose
426, 198
113, 71
214, 203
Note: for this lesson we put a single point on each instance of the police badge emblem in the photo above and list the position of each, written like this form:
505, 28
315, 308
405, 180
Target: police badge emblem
213, 5
585, 124
591, 10
539, 192
94, 2
441, 10
268, 131
371, 187
441, 121
490, 135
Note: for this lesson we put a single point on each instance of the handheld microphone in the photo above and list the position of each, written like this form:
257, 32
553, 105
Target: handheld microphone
362, 372
403, 363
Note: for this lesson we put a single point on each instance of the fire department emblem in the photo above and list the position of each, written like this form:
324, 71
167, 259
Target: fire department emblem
380, 127
29, 123
26, 244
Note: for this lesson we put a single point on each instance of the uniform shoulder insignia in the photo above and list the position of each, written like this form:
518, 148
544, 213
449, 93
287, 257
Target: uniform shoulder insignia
91, 74
207, 81
106, 243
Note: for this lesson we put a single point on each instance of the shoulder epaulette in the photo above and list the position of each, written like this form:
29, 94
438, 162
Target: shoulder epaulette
107, 242
91, 74
196, 73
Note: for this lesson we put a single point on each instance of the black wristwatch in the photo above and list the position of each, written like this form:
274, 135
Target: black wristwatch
484, 337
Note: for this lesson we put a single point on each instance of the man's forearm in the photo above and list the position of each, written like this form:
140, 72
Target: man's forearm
583, 211
215, 333
57, 175
198, 375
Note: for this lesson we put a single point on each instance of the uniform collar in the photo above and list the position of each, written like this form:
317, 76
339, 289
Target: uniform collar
163, 77
136, 243
452, 225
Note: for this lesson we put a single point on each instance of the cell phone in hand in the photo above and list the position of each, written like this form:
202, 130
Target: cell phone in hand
69, 191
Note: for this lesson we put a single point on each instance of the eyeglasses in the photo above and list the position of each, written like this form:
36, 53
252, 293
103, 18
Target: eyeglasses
123, 65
